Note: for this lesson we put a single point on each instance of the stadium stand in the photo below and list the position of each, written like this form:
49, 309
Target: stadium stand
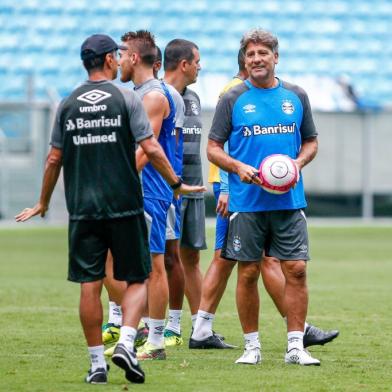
347, 37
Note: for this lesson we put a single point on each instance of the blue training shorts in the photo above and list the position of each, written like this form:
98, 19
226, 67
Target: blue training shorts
222, 224
173, 223
155, 212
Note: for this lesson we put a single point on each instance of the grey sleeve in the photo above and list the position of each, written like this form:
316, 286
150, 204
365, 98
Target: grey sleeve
138, 120
56, 139
308, 129
221, 123
180, 111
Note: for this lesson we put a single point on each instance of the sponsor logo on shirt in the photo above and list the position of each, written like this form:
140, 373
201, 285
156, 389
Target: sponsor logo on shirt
92, 109
261, 130
249, 108
191, 130
103, 122
94, 139
288, 107
94, 96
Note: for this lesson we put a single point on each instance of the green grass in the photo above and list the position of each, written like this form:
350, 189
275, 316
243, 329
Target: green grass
43, 348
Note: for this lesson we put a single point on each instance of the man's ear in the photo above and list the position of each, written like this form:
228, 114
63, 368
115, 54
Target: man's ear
183, 64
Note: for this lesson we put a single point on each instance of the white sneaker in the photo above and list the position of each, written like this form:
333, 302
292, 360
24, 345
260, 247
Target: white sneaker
300, 357
251, 356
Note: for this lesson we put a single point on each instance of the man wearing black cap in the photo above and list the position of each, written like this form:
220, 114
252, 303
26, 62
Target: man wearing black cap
93, 139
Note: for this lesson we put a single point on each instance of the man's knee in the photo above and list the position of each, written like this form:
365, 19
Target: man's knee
190, 257
248, 273
296, 271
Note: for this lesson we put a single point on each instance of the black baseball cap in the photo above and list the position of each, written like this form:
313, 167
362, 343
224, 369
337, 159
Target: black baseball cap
98, 44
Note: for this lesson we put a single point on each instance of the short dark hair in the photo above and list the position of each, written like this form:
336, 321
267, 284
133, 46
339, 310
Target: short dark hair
158, 55
144, 43
241, 60
95, 63
176, 51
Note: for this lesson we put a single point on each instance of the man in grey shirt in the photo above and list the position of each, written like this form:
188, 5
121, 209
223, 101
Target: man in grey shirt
94, 138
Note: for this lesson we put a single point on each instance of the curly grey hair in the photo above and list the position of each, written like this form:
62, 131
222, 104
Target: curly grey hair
259, 36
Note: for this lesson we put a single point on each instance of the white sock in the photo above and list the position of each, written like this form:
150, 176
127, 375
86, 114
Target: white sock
295, 340
306, 324
146, 321
193, 318
155, 333
252, 339
97, 358
174, 321
203, 325
127, 337
115, 314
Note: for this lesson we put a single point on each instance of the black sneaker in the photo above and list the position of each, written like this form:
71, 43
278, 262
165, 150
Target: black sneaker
127, 361
98, 376
218, 335
315, 336
211, 342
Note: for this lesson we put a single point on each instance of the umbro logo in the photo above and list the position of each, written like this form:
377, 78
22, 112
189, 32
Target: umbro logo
94, 96
249, 108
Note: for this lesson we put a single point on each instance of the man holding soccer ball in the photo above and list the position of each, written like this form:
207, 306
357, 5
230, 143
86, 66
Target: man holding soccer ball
261, 117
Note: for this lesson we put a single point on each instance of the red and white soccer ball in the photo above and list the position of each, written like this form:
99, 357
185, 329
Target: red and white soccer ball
278, 173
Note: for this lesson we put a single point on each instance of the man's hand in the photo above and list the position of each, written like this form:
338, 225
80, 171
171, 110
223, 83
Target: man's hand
248, 174
185, 189
297, 164
28, 213
222, 207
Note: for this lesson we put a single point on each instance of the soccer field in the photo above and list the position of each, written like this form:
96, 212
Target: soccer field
43, 348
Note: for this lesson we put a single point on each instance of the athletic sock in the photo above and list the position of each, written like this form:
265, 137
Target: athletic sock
295, 340
203, 325
115, 313
252, 339
97, 358
193, 318
155, 333
127, 337
174, 321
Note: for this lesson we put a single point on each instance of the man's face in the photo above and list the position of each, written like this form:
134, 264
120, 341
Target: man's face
193, 68
126, 63
260, 62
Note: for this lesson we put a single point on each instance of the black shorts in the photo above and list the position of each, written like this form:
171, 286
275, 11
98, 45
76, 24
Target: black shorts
193, 224
89, 241
281, 234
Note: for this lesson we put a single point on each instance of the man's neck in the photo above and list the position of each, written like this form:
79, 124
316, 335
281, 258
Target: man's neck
176, 80
269, 83
142, 74
96, 76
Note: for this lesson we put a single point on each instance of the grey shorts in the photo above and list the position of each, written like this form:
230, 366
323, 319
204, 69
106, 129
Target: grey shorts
281, 234
193, 224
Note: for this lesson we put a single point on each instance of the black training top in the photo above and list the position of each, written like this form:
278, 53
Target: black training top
97, 128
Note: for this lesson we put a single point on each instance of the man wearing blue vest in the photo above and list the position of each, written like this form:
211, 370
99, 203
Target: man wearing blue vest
260, 117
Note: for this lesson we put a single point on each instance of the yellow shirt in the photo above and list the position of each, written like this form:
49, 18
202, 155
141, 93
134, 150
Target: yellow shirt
213, 175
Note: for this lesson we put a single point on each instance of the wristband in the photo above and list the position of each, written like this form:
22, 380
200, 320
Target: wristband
177, 184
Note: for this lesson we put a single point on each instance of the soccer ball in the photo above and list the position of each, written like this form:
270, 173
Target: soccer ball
278, 173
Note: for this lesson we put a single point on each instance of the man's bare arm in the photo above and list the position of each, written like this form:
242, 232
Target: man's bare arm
156, 106
158, 159
217, 155
308, 151
51, 175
